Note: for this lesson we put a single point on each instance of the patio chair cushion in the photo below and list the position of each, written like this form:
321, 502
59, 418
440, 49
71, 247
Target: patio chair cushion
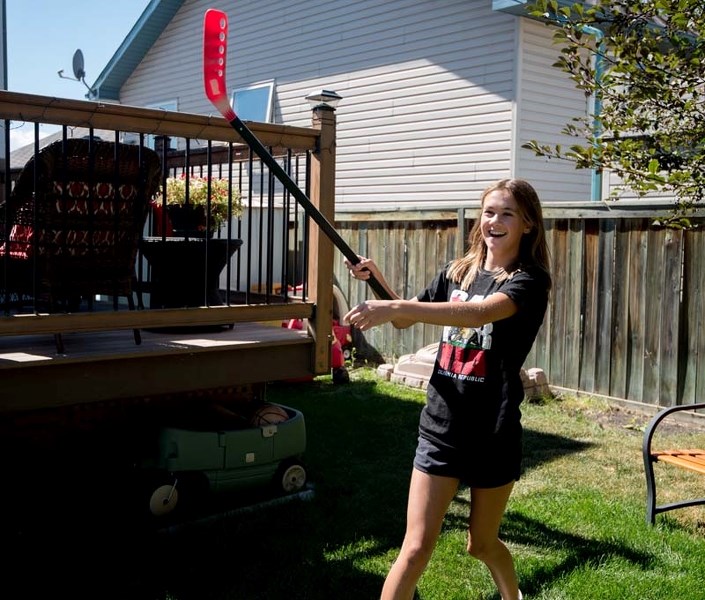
106, 202
76, 216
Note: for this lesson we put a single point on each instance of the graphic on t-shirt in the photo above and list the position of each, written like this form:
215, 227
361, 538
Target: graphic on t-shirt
462, 354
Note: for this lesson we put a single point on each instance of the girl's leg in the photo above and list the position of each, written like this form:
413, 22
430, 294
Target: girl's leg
429, 498
487, 507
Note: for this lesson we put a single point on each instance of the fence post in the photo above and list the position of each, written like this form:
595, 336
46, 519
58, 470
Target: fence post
461, 234
320, 263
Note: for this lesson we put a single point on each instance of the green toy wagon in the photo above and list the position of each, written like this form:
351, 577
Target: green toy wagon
190, 461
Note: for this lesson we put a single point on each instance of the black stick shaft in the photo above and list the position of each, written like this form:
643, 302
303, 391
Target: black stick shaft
305, 203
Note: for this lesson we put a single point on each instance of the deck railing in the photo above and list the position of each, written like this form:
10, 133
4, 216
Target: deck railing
282, 269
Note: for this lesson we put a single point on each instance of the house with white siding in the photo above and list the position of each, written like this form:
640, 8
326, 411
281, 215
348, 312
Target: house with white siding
438, 96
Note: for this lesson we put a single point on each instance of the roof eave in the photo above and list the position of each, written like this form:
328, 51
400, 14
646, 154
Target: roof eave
152, 22
518, 7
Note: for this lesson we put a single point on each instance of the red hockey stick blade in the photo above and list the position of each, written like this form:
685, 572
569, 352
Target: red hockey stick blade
215, 47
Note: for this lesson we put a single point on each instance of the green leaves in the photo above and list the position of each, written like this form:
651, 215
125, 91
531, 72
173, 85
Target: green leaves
645, 61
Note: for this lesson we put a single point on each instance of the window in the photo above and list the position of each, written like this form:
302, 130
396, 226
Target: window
170, 105
254, 102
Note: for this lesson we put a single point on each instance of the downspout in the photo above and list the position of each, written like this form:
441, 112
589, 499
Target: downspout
596, 174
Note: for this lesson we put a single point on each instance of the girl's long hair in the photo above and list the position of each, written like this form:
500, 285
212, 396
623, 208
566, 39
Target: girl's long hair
533, 250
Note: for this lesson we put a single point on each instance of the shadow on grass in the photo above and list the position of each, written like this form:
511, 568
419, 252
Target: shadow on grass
578, 550
540, 448
71, 521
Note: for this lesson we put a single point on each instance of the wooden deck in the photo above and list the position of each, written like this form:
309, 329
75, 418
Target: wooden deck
109, 366
101, 366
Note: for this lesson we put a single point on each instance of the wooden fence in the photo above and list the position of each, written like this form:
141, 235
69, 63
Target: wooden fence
627, 314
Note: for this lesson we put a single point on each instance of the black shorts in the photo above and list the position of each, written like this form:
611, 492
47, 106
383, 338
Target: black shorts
488, 468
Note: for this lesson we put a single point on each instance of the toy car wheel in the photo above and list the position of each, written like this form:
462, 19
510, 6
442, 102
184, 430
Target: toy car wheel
291, 477
164, 499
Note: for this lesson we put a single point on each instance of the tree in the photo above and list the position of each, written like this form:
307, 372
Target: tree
643, 62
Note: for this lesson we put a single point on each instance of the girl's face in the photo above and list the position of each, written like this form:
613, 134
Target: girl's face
502, 228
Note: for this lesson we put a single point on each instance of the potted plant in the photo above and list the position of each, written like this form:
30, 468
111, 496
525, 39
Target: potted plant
187, 213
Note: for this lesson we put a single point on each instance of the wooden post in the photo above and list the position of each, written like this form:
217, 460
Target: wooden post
320, 263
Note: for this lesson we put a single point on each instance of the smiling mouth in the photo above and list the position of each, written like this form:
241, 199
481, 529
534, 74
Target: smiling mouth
497, 234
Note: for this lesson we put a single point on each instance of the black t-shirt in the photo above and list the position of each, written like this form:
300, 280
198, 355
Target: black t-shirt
475, 389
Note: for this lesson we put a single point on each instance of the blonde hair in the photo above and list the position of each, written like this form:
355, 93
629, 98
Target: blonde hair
533, 249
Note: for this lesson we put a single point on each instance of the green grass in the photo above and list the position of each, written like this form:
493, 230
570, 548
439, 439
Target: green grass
575, 523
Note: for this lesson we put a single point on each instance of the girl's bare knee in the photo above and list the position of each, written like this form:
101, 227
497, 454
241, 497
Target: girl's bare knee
415, 556
481, 549
474, 549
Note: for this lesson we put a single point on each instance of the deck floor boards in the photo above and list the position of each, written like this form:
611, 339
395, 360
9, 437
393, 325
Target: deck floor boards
108, 365
18, 350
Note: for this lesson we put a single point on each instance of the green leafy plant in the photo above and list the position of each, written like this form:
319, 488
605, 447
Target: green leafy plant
198, 195
641, 61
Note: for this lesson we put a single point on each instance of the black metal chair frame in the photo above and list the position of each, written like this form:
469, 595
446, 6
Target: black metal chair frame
652, 508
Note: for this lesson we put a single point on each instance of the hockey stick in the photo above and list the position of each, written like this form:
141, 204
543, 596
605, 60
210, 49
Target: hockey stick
215, 34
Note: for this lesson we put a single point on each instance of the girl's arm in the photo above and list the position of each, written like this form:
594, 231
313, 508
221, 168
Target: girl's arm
403, 313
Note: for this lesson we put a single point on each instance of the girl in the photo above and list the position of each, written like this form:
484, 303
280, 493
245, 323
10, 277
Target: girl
491, 303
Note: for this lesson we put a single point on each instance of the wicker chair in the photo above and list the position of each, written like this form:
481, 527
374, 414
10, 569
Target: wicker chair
73, 224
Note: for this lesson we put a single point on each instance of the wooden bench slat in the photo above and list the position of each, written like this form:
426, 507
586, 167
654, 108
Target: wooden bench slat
691, 459
693, 453
685, 464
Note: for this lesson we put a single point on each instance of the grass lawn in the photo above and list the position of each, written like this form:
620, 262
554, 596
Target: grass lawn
575, 523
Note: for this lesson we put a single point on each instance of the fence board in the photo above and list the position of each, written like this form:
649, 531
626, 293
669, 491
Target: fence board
697, 321
539, 354
693, 327
606, 284
672, 245
653, 298
572, 331
380, 337
590, 306
397, 253
620, 298
637, 312
557, 310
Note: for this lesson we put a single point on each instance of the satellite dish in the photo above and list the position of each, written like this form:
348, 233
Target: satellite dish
79, 73
78, 70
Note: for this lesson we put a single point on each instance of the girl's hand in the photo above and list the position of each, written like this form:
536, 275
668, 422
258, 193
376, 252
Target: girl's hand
367, 268
362, 269
369, 314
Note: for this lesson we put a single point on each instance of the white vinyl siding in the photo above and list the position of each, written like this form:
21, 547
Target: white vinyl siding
548, 101
427, 118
